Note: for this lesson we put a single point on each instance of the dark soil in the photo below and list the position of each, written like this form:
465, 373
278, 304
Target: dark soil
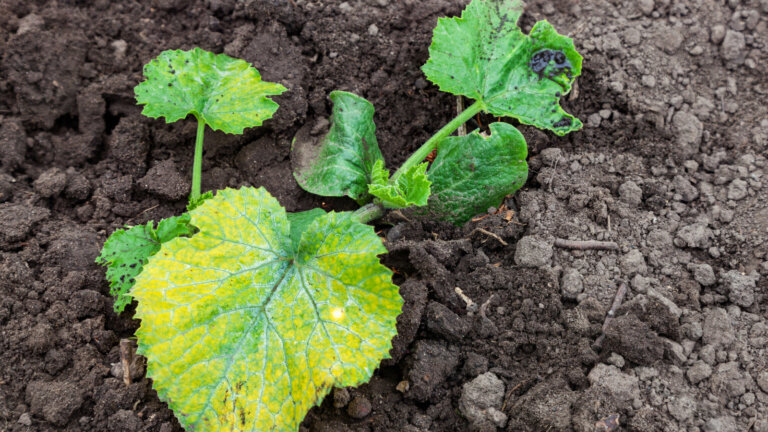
671, 165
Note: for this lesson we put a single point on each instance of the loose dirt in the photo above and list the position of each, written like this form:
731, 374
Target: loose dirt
499, 331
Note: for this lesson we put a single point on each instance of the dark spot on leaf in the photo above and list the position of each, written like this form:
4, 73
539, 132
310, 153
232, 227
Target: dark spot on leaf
565, 121
133, 265
540, 60
170, 85
550, 63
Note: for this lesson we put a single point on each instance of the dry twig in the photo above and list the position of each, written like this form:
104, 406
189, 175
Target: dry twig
586, 244
488, 233
126, 358
617, 300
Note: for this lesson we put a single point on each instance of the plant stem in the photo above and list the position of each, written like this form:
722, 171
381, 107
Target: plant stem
197, 166
369, 212
431, 143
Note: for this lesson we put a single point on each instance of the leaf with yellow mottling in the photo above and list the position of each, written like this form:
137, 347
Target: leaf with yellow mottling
245, 330
226, 93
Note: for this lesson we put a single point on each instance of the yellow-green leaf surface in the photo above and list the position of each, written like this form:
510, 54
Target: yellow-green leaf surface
226, 93
243, 331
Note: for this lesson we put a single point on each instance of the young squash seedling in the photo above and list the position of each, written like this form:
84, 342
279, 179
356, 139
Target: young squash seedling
224, 93
482, 55
250, 315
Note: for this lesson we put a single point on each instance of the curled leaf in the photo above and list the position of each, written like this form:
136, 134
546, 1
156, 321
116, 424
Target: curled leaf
226, 93
341, 163
410, 189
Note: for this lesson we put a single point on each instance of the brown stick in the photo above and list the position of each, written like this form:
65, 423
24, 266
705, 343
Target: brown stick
617, 300
586, 244
126, 357
488, 233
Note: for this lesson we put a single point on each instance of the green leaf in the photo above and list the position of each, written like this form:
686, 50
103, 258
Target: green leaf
243, 331
342, 162
226, 93
410, 189
300, 221
196, 202
126, 252
474, 172
485, 56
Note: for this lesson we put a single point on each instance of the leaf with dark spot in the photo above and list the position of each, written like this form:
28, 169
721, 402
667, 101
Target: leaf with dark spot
485, 56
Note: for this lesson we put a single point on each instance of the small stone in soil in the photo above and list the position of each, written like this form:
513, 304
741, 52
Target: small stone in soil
50, 183
481, 401
622, 387
698, 372
340, 397
740, 287
25, 420
359, 408
571, 284
630, 193
694, 236
703, 274
532, 252
717, 329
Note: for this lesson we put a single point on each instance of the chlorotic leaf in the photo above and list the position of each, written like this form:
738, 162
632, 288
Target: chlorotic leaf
342, 162
244, 331
126, 252
485, 56
226, 93
474, 172
410, 189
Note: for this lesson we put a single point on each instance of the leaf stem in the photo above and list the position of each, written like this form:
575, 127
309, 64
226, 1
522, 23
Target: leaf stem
197, 166
431, 143
369, 212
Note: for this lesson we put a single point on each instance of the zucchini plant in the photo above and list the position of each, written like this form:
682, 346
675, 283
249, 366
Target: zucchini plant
482, 55
250, 314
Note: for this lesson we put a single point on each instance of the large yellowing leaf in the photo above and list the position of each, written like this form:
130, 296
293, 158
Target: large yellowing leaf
224, 92
244, 330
